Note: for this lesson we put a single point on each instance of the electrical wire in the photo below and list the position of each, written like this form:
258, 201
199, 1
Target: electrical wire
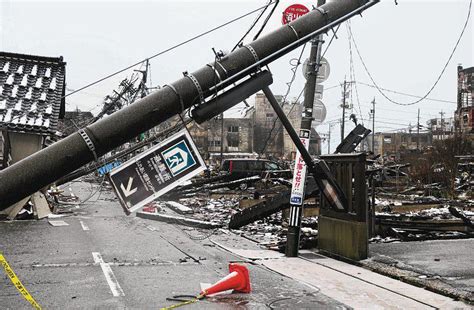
437, 80
352, 75
266, 20
405, 94
330, 41
253, 25
171, 48
157, 54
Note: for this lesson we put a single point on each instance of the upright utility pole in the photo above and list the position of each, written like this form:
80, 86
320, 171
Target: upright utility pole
329, 139
373, 125
418, 132
299, 174
343, 121
222, 137
442, 124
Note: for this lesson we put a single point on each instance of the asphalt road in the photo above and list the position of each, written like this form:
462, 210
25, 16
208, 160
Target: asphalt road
450, 260
144, 262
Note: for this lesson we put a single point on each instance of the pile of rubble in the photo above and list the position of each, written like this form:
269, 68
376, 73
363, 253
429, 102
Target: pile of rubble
218, 209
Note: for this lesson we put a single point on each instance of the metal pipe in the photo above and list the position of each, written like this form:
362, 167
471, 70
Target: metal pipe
48, 165
230, 98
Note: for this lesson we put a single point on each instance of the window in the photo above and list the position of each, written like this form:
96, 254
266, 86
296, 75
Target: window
233, 129
256, 165
271, 166
214, 143
270, 115
233, 143
239, 165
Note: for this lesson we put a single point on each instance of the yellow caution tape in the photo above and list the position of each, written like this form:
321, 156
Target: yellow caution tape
17, 283
197, 298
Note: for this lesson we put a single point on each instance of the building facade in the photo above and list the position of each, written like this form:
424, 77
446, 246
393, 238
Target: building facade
464, 114
395, 143
442, 128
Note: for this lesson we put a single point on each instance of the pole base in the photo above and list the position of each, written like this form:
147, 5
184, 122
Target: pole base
292, 241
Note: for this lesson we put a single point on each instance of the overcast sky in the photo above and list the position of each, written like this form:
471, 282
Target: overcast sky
404, 46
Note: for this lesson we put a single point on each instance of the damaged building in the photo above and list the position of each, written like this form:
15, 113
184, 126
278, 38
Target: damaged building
465, 110
32, 90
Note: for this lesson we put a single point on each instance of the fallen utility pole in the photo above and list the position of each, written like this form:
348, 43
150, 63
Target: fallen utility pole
88, 144
96, 165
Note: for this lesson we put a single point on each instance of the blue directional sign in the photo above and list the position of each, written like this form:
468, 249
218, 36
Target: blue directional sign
156, 171
108, 167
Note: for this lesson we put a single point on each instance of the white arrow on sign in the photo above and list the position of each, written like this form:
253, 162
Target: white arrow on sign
128, 191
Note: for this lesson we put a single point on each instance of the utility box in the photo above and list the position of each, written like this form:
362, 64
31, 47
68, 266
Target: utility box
345, 234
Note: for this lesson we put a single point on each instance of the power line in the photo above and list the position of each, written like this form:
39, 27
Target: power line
437, 80
405, 94
255, 23
157, 54
171, 48
352, 75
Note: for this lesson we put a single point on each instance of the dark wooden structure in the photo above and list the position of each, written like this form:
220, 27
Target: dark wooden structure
346, 233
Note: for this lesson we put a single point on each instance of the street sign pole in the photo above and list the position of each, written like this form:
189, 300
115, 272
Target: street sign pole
299, 174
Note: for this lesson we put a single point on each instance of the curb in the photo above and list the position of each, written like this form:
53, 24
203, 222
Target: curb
178, 220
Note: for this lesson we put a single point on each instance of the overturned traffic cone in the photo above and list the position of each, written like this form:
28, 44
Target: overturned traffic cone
238, 279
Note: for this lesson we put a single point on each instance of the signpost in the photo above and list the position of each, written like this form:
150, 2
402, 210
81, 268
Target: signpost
323, 71
299, 175
155, 172
293, 12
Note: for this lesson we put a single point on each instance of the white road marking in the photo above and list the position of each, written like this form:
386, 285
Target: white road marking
152, 228
109, 275
84, 226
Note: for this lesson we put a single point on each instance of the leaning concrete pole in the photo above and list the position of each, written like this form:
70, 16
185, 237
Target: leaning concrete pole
45, 167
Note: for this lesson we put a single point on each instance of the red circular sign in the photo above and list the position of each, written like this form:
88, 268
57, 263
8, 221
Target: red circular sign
293, 12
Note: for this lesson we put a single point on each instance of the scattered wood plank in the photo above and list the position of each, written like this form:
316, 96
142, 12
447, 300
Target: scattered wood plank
41, 205
13, 210
179, 208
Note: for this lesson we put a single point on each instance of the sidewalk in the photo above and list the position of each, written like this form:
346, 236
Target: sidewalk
351, 285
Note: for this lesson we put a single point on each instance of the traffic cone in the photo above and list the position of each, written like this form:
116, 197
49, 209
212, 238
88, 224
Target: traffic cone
238, 279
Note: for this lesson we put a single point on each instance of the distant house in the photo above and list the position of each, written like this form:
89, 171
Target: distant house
32, 90
73, 121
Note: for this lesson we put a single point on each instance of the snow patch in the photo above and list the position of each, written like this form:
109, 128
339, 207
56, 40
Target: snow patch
34, 71
29, 93
10, 80
24, 81
20, 70
14, 91
52, 86
6, 67
39, 83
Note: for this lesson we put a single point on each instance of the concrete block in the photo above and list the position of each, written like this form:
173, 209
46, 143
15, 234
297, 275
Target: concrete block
344, 238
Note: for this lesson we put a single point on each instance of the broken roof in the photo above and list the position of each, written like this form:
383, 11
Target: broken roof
32, 90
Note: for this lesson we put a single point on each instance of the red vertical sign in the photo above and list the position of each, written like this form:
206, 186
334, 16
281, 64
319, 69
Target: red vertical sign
293, 12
